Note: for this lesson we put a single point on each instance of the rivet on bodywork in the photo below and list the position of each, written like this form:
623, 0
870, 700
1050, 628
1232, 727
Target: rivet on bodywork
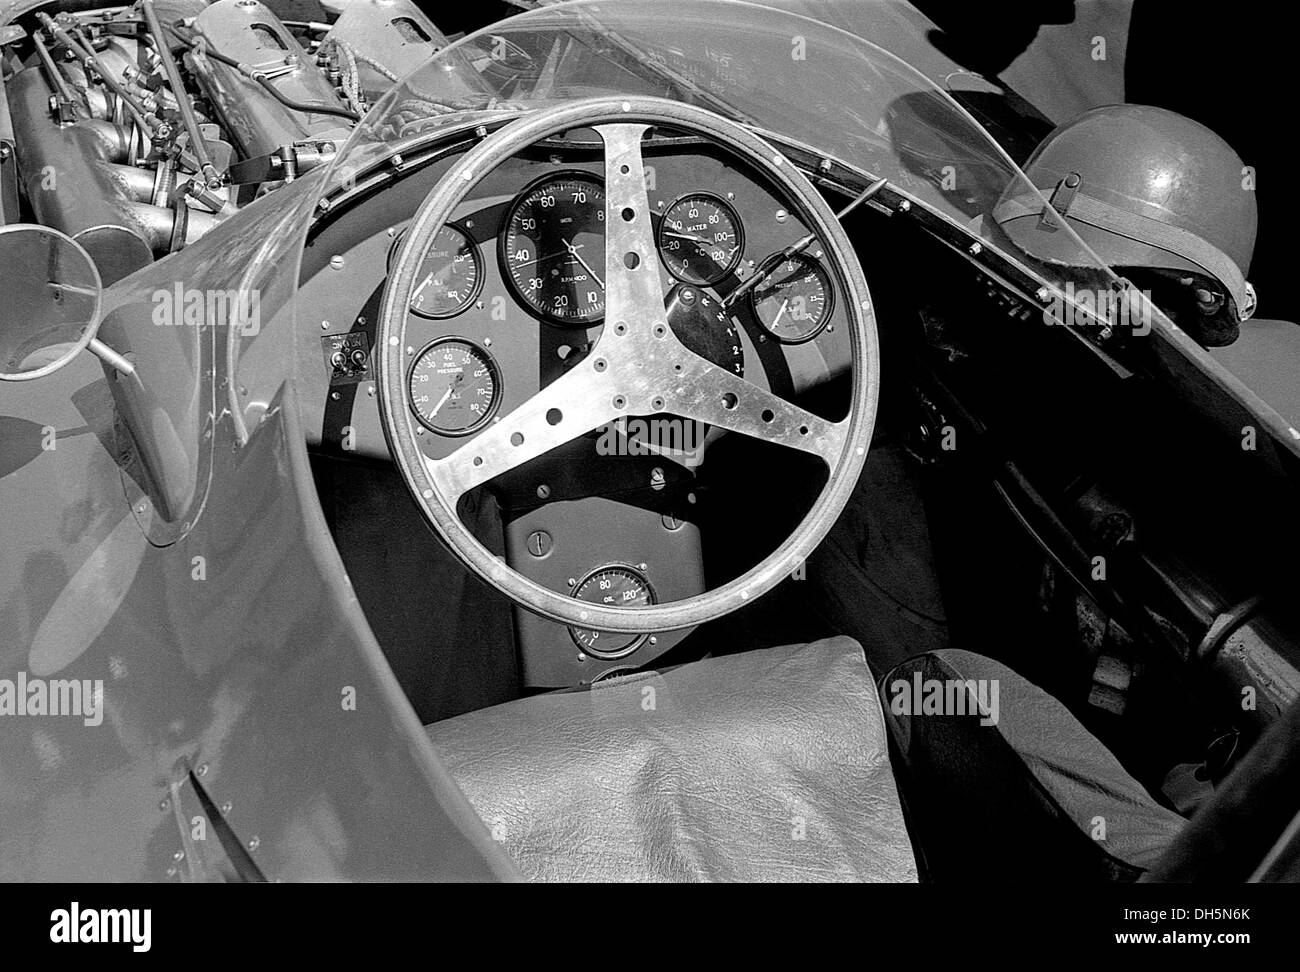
336, 262
254, 843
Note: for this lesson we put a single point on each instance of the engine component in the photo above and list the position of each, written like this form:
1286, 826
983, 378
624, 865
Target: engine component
267, 60
136, 129
385, 39
77, 179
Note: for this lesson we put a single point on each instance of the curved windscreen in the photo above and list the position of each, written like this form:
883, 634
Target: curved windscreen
783, 74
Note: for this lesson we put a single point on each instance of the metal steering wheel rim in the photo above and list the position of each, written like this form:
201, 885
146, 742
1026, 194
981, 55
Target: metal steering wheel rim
616, 120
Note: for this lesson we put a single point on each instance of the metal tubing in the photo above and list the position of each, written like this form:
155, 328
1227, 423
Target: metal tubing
197, 145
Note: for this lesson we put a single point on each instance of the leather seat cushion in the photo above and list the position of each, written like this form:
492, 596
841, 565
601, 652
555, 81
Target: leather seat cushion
770, 765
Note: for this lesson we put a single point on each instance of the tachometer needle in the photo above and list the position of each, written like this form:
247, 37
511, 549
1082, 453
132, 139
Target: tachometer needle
549, 256
573, 250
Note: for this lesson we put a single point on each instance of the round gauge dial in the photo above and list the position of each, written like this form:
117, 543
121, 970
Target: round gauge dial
794, 303
553, 249
454, 387
613, 586
700, 239
450, 275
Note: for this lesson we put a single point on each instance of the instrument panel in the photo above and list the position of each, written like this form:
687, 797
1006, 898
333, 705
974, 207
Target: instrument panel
511, 293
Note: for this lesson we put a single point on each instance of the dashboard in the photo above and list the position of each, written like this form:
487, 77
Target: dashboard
508, 297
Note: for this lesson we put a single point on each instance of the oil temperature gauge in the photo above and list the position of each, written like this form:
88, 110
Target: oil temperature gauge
615, 585
454, 387
794, 303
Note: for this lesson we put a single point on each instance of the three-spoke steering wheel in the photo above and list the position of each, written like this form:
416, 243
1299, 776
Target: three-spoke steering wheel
637, 366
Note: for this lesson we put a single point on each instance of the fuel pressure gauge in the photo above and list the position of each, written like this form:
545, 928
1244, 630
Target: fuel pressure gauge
454, 387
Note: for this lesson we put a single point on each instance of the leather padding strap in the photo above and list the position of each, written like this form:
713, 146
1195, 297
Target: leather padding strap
1143, 229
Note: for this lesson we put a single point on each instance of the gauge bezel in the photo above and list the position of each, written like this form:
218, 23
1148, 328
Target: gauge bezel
513, 285
480, 271
736, 221
497, 385
828, 287
640, 640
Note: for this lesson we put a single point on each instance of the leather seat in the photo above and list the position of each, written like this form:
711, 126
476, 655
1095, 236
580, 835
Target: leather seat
770, 765
774, 765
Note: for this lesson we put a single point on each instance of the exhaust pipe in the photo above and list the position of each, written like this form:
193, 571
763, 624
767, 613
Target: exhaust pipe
75, 183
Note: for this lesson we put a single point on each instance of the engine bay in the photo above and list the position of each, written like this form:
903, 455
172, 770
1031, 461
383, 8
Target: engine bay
136, 130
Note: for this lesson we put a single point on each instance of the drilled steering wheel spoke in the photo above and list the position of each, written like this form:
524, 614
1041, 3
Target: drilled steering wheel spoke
634, 297
577, 402
707, 393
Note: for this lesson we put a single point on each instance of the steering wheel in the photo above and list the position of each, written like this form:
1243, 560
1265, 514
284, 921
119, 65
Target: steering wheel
637, 366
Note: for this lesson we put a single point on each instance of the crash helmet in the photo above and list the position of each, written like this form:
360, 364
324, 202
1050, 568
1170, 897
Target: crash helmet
1143, 188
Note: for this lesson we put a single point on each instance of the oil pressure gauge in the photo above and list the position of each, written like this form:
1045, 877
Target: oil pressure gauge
794, 303
615, 585
450, 275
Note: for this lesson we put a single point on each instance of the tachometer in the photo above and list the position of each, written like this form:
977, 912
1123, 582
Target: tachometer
700, 239
450, 275
794, 303
454, 387
553, 249
614, 586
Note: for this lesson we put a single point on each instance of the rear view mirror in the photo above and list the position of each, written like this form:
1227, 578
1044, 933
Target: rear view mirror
52, 297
